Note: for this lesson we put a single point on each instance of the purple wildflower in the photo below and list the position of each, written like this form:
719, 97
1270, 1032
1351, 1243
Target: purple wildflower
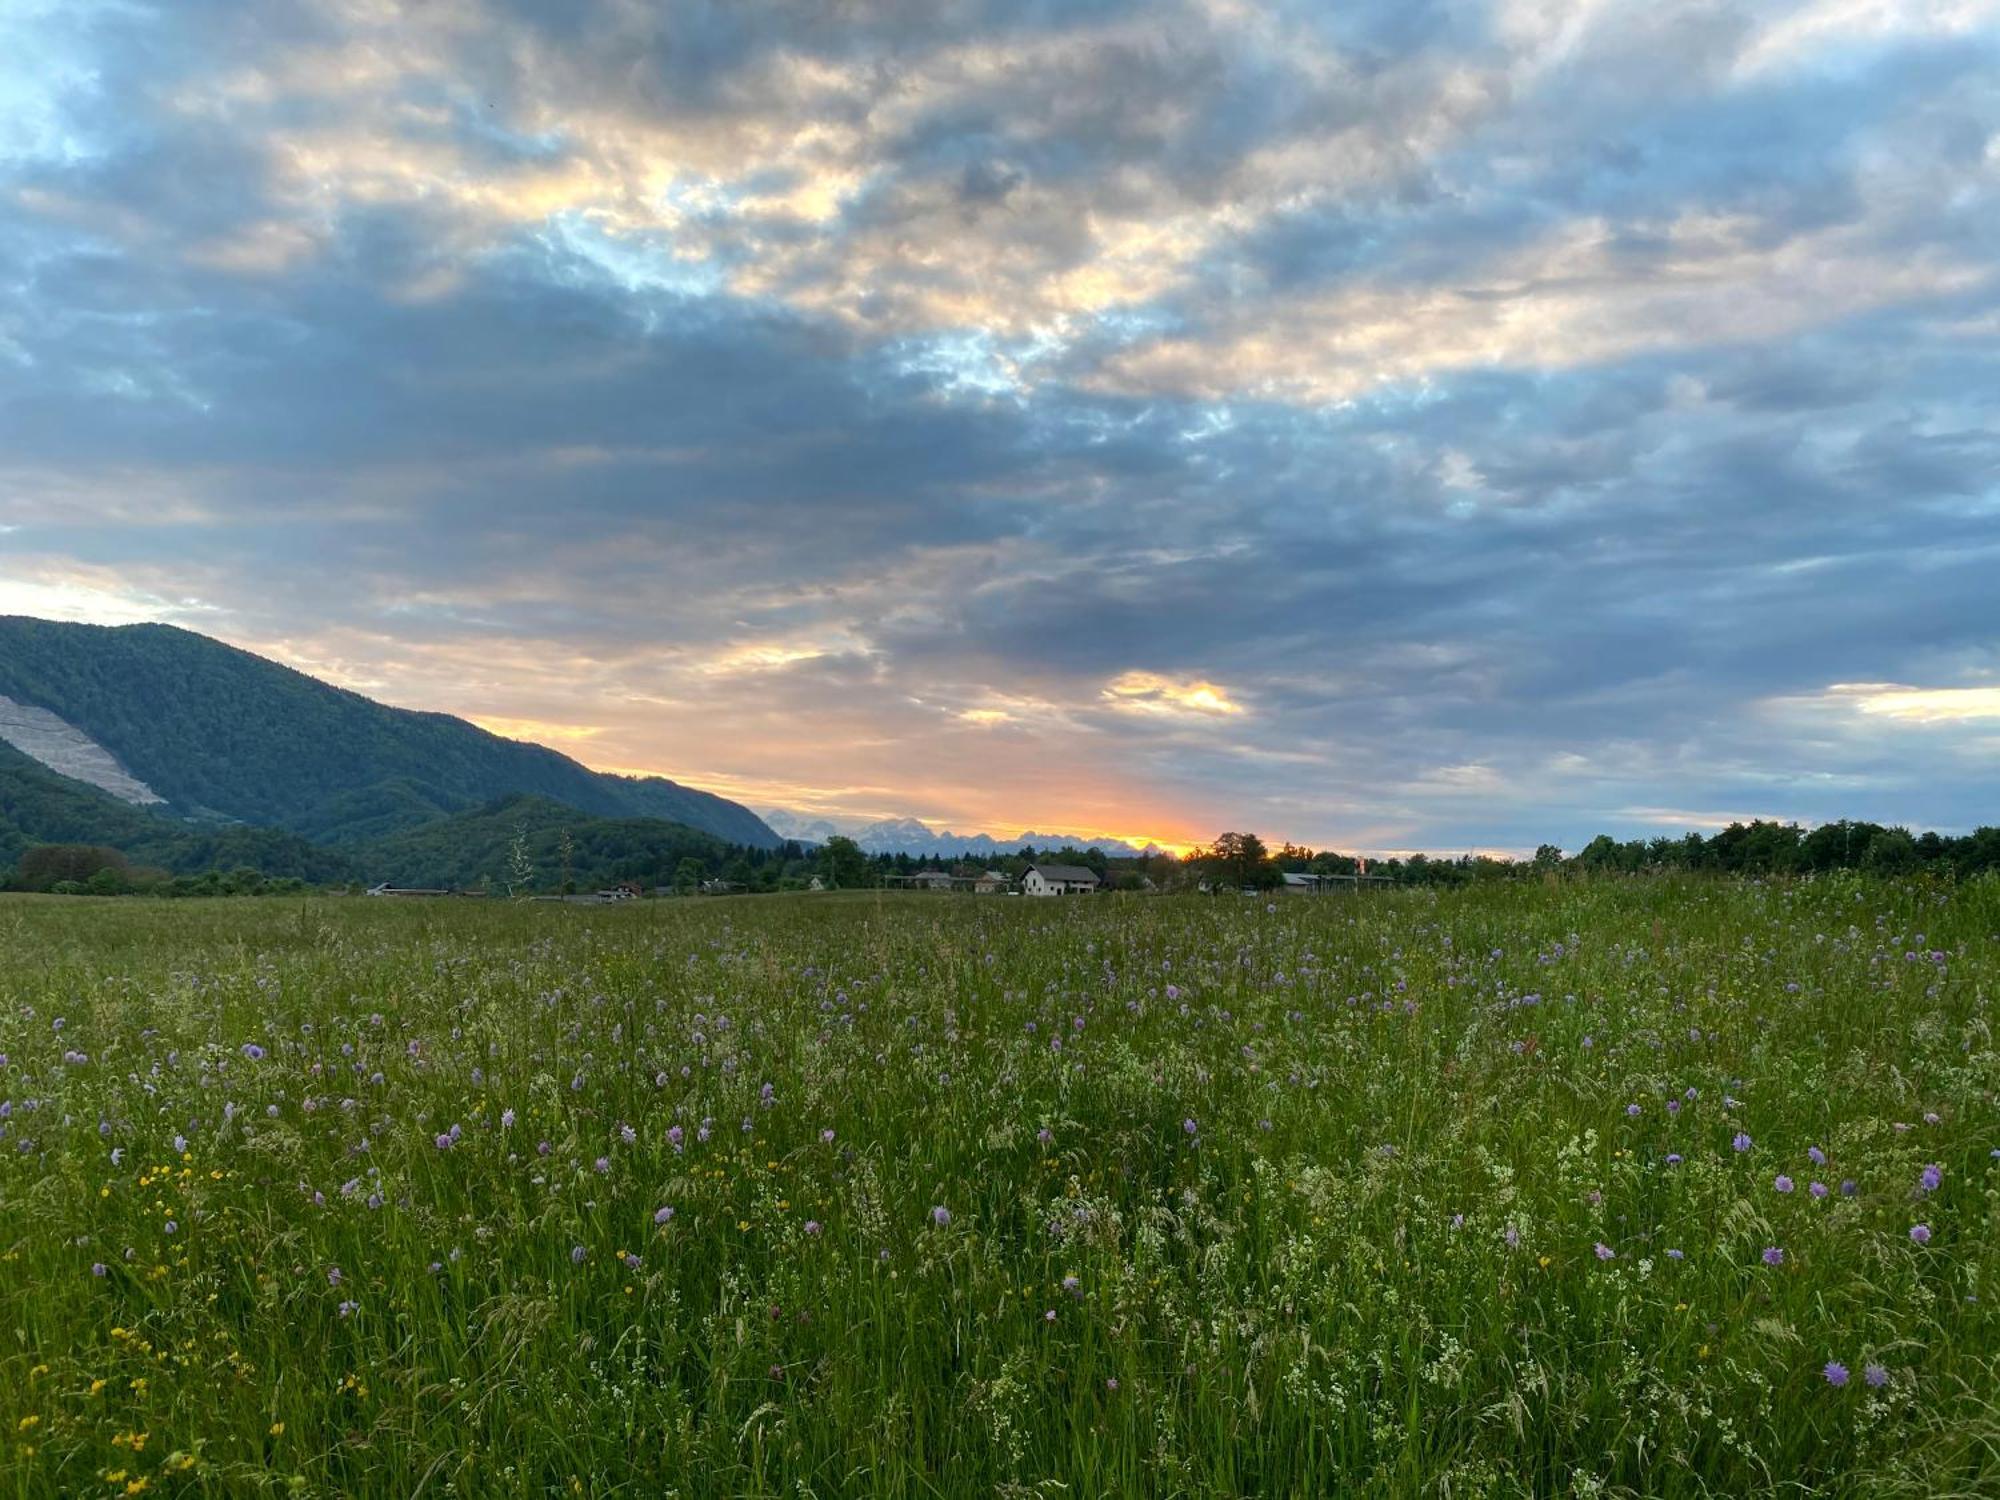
1782, 1183
1818, 1189
254, 1052
662, 1215
940, 1215
1932, 1176
443, 1142
1605, 1252
1773, 1256
1817, 1156
1742, 1142
812, 1226
576, 1254
1920, 1234
1836, 1373
1876, 1375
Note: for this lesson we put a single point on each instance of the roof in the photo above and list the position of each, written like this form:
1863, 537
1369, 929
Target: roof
1293, 878
1072, 873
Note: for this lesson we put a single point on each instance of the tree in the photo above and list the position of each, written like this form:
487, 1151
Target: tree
842, 864
687, 874
1240, 859
46, 865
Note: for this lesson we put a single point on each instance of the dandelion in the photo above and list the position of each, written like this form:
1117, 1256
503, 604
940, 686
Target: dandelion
1836, 1373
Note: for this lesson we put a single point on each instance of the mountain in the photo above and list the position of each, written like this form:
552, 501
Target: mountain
475, 848
38, 806
909, 836
216, 734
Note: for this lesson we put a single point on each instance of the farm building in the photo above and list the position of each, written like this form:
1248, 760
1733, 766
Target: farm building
990, 883
1058, 880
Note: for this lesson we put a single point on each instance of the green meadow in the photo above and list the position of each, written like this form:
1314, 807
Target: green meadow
1615, 1187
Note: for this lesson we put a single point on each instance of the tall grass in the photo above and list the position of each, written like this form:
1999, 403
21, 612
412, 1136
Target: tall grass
1404, 1194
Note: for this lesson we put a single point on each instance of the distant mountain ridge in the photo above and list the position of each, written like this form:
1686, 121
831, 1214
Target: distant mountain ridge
909, 836
223, 736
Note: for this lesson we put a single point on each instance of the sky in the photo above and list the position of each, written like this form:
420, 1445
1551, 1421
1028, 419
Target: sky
1420, 425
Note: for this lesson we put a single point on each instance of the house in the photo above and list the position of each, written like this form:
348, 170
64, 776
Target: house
990, 883
932, 880
1297, 884
1058, 880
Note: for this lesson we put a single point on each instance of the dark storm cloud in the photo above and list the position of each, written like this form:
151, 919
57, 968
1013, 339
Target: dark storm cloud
1432, 424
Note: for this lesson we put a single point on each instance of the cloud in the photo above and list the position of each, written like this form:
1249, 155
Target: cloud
1420, 424
1919, 705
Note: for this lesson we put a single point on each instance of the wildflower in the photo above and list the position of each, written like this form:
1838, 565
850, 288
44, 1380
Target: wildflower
662, 1215
444, 1142
1817, 1189
1605, 1252
333, 1275
1632, 1110
1920, 1234
1673, 1158
1676, 1255
940, 1215
1876, 1375
1932, 1176
348, 1309
1817, 1156
1049, 1316
812, 1226
1783, 1183
98, 1268
1188, 1126
675, 1136
506, 1119
627, 1134
1742, 1142
1111, 1382
1836, 1373
576, 1254
1773, 1256
254, 1052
